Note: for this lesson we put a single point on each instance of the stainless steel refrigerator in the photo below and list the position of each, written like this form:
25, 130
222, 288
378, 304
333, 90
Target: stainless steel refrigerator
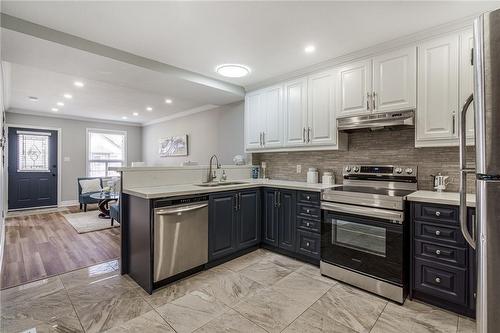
486, 101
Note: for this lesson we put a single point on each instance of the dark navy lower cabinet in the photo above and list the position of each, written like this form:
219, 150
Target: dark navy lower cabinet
222, 225
286, 219
249, 212
270, 217
443, 266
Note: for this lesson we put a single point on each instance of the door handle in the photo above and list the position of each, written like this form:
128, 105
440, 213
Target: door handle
304, 134
453, 122
184, 209
309, 134
373, 100
368, 95
463, 175
263, 138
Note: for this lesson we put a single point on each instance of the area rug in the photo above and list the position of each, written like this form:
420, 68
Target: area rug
89, 221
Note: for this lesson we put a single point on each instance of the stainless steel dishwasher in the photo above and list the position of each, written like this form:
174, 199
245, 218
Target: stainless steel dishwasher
180, 236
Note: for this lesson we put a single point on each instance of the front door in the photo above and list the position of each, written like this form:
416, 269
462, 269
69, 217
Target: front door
32, 168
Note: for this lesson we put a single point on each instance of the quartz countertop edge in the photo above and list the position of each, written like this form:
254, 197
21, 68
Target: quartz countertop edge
155, 192
444, 198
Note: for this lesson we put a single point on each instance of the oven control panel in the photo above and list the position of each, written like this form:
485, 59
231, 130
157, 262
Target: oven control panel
382, 170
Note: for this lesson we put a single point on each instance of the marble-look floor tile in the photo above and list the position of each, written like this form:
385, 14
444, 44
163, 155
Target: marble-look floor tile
415, 317
108, 313
230, 321
314, 273
265, 272
270, 309
313, 322
88, 275
351, 307
231, 287
150, 322
301, 288
283, 261
466, 325
242, 262
31, 291
192, 311
180, 288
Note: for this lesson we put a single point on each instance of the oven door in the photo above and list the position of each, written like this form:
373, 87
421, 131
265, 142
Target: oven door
370, 243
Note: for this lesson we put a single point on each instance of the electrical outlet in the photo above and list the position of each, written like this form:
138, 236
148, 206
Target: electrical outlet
299, 168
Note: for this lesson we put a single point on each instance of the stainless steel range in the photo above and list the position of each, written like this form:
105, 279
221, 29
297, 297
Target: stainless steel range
363, 229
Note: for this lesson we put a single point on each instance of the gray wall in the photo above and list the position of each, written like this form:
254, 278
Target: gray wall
218, 131
74, 145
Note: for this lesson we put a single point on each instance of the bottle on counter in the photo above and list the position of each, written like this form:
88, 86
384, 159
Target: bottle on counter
328, 178
312, 176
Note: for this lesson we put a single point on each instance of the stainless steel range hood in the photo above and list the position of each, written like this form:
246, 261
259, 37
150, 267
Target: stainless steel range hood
377, 120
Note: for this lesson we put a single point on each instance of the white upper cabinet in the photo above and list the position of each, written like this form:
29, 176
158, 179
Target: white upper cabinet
321, 109
354, 89
467, 79
394, 81
295, 112
437, 112
254, 114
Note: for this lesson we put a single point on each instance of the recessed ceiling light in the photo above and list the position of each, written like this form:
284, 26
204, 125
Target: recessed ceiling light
124, 117
33, 98
233, 70
309, 49
149, 108
68, 96
55, 109
60, 103
168, 101
78, 84
135, 114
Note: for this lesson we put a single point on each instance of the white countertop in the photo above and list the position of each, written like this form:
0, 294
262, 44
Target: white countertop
154, 192
445, 198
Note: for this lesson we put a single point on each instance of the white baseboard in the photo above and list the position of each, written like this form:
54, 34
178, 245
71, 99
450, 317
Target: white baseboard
67, 203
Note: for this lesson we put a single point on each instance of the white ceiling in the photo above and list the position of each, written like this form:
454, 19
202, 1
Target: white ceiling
267, 36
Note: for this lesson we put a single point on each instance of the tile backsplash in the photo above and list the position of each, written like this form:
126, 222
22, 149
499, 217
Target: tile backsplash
387, 146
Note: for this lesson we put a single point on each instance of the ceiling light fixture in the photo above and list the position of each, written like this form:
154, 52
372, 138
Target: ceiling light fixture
233, 70
168, 101
124, 117
55, 109
309, 49
60, 103
135, 114
68, 96
78, 84
149, 108
33, 98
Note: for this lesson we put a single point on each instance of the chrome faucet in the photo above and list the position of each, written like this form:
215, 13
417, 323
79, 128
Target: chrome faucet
211, 173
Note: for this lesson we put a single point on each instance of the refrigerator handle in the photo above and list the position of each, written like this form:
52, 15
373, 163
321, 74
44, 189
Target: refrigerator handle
463, 175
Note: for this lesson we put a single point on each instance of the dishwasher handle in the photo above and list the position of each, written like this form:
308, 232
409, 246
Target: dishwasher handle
182, 209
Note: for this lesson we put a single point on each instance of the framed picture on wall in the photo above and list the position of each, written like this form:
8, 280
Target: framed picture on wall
174, 146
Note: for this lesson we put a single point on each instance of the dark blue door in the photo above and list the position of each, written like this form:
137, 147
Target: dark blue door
32, 168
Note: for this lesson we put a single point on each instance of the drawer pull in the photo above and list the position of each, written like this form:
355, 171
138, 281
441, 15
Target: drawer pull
438, 213
438, 232
308, 211
438, 280
307, 224
307, 244
438, 252
308, 197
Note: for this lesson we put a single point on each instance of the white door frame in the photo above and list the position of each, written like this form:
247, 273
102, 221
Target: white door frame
59, 160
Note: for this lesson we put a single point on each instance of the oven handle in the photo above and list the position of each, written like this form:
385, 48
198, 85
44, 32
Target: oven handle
393, 216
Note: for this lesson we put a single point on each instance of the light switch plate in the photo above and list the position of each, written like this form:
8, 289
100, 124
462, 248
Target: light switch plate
67, 159
299, 168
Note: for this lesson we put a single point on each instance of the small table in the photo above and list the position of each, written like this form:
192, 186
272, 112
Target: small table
104, 199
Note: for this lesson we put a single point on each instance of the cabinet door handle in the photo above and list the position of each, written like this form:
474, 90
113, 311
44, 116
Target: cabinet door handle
438, 280
368, 101
260, 139
236, 202
438, 213
263, 138
308, 211
308, 197
239, 201
438, 252
307, 244
373, 100
307, 224
438, 232
309, 134
279, 199
453, 122
304, 134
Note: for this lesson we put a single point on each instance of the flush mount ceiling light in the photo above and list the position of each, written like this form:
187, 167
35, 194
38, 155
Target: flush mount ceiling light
55, 109
60, 103
33, 98
68, 96
135, 114
233, 70
309, 49
168, 101
78, 84
149, 108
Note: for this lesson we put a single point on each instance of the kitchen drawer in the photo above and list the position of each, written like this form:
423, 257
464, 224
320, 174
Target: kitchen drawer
438, 233
310, 212
308, 243
312, 198
440, 253
441, 281
436, 213
308, 225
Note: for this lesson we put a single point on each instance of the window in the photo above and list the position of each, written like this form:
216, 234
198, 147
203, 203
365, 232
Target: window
33, 151
105, 149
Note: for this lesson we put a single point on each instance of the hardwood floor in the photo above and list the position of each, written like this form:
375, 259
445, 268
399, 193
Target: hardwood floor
44, 244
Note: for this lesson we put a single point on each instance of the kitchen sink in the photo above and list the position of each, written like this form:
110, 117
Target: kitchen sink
217, 184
